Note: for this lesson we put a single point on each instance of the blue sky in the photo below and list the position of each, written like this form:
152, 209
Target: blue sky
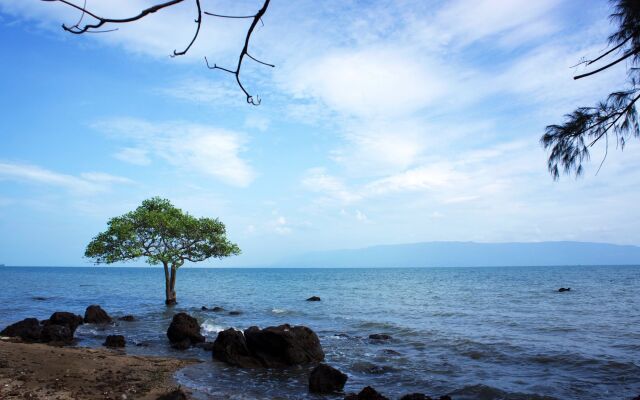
383, 122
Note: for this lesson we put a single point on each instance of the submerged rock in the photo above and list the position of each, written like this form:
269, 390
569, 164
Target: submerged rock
271, 347
415, 396
235, 312
29, 329
217, 309
368, 393
379, 336
326, 379
115, 341
206, 346
94, 314
184, 328
127, 318
564, 289
314, 298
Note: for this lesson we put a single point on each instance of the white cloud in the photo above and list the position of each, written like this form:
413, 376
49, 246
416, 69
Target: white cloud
134, 156
202, 149
84, 184
370, 82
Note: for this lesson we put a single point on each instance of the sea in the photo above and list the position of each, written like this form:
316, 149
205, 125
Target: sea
473, 333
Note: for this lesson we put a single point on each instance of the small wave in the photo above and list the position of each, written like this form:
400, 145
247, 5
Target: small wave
209, 327
279, 311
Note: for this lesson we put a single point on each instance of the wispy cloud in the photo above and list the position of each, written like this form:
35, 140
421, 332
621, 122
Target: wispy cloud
84, 184
198, 148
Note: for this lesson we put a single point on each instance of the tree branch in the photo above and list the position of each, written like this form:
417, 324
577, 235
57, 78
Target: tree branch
611, 64
245, 51
101, 21
195, 35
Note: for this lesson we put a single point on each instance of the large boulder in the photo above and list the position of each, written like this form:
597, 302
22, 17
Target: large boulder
29, 329
94, 314
70, 320
272, 347
231, 347
368, 393
58, 334
184, 329
284, 345
326, 379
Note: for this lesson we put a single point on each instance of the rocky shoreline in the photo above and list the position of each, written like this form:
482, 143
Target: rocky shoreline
35, 363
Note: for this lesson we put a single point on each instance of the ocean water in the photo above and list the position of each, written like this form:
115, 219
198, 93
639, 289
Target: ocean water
473, 333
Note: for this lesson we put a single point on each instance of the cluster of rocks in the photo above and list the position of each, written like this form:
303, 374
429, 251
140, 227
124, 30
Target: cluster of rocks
61, 326
58, 329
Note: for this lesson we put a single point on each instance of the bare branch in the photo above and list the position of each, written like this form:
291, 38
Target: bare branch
611, 64
101, 21
195, 35
245, 51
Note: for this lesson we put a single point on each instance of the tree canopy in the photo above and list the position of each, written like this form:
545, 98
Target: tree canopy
164, 235
571, 141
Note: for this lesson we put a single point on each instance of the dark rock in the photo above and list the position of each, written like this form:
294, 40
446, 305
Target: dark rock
53, 333
39, 298
183, 326
564, 289
284, 345
28, 329
70, 320
142, 344
94, 314
313, 298
272, 347
326, 379
177, 394
217, 309
415, 396
230, 346
391, 352
206, 346
447, 397
181, 345
127, 318
235, 312
204, 308
379, 336
115, 341
367, 393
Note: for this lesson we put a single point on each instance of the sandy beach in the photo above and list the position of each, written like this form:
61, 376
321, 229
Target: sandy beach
39, 371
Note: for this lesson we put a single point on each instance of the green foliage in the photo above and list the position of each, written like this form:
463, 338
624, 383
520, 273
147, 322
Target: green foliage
571, 141
163, 234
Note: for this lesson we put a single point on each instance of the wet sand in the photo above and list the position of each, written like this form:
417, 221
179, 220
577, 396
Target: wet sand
39, 371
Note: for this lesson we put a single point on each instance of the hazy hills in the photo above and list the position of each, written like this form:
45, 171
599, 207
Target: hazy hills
471, 254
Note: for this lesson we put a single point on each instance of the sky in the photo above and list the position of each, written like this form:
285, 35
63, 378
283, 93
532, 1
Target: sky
383, 122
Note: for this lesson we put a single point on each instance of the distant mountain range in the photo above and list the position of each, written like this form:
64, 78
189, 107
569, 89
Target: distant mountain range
472, 254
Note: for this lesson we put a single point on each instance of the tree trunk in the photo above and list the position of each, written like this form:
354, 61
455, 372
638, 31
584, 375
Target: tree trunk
171, 299
169, 282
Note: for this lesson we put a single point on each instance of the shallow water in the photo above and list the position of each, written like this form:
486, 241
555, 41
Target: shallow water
476, 333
